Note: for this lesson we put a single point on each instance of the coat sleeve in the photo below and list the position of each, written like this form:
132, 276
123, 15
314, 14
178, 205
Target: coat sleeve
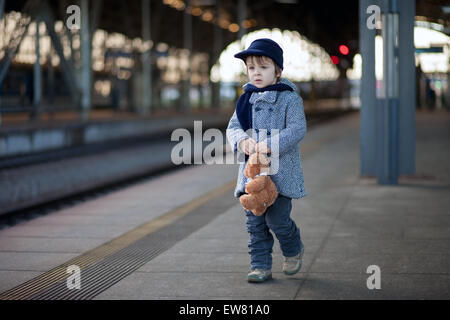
235, 133
295, 129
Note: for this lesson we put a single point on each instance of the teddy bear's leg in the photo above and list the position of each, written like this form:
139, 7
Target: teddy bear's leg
247, 202
259, 211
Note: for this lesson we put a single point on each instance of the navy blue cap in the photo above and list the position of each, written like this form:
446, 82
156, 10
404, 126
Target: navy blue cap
263, 47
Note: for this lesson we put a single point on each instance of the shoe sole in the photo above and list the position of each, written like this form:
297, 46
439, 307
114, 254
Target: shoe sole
291, 273
260, 279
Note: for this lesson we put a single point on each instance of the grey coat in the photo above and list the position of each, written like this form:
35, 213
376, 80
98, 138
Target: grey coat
282, 110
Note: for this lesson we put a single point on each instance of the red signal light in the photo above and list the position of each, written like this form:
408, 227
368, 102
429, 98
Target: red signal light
334, 59
344, 49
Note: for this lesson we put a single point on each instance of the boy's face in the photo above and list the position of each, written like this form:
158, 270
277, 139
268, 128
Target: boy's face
261, 71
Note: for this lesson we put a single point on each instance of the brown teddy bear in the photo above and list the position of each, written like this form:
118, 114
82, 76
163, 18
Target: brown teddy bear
261, 191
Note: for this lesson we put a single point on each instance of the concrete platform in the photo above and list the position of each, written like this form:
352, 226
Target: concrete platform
347, 223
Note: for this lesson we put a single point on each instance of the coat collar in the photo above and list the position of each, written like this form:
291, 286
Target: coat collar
269, 96
282, 80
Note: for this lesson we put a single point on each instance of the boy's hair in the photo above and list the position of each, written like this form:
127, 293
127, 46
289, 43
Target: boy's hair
261, 59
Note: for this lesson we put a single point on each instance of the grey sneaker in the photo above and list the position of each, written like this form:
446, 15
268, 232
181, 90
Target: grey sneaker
292, 265
259, 275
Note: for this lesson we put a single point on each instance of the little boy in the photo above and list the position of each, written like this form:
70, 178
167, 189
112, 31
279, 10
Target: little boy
269, 102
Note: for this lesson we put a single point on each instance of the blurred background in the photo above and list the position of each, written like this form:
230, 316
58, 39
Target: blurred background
92, 91
84, 76
142, 57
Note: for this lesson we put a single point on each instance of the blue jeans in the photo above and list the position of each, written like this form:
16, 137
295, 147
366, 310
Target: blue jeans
276, 218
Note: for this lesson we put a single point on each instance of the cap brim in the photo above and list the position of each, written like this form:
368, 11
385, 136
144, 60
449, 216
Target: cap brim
251, 52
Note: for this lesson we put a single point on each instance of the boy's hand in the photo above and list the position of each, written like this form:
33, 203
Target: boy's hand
262, 147
247, 146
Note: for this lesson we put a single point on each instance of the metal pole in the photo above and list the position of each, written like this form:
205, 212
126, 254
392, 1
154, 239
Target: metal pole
94, 16
407, 94
2, 8
50, 77
37, 74
146, 62
187, 43
242, 15
37, 77
388, 166
10, 53
368, 92
85, 61
65, 66
217, 46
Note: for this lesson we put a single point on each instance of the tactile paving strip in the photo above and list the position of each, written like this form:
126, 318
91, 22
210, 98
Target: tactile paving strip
108, 264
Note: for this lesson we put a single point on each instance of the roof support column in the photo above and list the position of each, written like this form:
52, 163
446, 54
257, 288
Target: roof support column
242, 15
387, 127
187, 43
146, 60
368, 98
2, 8
388, 116
37, 75
407, 89
85, 61
217, 46
396, 123
50, 78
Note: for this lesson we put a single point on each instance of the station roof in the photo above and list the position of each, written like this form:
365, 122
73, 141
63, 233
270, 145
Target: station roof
327, 23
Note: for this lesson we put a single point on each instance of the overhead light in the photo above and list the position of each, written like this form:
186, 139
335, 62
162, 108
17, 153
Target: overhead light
233, 27
207, 16
334, 59
196, 11
344, 49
